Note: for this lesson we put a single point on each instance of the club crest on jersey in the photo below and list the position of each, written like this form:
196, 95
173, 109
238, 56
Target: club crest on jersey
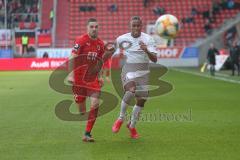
76, 47
98, 47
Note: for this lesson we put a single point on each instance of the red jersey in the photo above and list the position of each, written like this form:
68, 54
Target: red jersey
107, 64
89, 51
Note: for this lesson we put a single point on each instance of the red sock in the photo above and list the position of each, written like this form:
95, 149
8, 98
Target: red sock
91, 119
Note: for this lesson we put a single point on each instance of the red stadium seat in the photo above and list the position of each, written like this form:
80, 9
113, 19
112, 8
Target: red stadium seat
44, 40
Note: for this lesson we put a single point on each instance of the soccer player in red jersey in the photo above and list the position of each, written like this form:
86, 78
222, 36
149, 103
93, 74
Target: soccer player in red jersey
88, 49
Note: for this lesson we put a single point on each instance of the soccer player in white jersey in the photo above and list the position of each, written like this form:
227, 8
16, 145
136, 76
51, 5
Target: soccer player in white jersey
139, 49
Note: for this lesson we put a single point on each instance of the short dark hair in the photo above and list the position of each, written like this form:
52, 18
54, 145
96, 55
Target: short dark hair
136, 18
91, 20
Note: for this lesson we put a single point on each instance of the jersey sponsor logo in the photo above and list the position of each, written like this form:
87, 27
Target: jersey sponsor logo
92, 56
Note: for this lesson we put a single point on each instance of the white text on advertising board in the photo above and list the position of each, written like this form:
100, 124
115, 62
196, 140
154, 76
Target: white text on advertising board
168, 52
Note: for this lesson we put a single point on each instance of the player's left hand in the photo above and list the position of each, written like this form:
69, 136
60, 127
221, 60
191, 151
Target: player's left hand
143, 46
70, 78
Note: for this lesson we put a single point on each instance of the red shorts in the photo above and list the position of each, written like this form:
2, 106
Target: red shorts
81, 91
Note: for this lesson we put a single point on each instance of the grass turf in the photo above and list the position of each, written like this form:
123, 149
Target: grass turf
30, 129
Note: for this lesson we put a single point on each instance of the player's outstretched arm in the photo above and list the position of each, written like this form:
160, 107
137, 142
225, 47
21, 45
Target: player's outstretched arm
110, 48
107, 54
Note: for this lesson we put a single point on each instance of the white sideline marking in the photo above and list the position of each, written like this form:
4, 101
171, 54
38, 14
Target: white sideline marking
208, 76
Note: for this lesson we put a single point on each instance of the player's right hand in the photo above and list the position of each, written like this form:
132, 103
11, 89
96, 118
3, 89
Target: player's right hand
70, 78
143, 46
110, 47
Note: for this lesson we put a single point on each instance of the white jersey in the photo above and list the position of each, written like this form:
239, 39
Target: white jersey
134, 53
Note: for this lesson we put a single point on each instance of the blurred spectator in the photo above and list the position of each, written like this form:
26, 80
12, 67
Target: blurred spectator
206, 13
183, 20
22, 2
16, 18
113, 8
28, 9
87, 8
28, 18
190, 20
237, 4
9, 17
51, 16
234, 57
17, 11
82, 8
1, 4
43, 32
2, 19
14, 6
212, 16
31, 49
31, 2
34, 9
45, 55
230, 35
224, 4
230, 4
31, 52
34, 18
46, 31
158, 11
145, 3
194, 11
215, 7
91, 8
207, 27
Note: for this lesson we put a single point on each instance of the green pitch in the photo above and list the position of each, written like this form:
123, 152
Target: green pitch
199, 119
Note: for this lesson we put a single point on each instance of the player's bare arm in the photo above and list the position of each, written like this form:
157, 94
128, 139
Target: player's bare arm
107, 54
152, 56
71, 65
110, 48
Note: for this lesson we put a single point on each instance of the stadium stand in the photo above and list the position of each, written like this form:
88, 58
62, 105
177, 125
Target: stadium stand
62, 24
22, 14
116, 23
46, 8
71, 16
